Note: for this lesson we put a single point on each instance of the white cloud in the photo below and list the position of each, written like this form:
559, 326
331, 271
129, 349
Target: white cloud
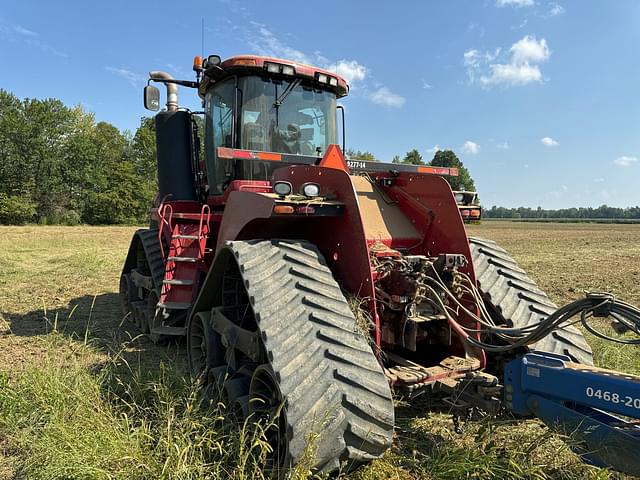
515, 3
384, 96
625, 161
426, 85
520, 68
19, 34
511, 75
178, 70
23, 31
350, 70
555, 10
503, 146
470, 147
264, 42
549, 142
526, 165
471, 58
135, 79
598, 180
434, 149
529, 50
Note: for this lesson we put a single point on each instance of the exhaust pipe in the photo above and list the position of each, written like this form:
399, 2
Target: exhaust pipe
172, 89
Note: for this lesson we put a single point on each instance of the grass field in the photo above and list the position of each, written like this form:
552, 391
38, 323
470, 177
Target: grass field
81, 397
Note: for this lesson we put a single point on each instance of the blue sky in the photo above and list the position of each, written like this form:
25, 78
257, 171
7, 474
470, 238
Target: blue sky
540, 99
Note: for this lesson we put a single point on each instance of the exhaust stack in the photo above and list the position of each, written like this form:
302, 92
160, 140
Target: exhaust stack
172, 89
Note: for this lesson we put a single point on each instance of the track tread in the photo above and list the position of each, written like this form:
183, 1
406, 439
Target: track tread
151, 245
304, 331
519, 301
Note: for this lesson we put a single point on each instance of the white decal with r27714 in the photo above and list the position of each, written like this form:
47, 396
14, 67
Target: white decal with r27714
353, 164
613, 397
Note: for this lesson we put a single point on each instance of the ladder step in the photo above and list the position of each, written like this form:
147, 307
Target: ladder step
169, 331
183, 259
177, 282
187, 237
175, 305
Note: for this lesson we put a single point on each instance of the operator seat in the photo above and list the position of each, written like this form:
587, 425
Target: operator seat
285, 141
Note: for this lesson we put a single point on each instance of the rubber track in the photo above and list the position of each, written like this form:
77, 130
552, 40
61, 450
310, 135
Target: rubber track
519, 301
329, 377
149, 240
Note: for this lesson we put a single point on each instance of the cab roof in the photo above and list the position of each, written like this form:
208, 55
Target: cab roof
254, 64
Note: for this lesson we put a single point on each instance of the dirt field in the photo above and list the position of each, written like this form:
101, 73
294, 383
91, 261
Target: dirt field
65, 278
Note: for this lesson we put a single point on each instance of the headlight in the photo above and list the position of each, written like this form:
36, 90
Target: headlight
272, 67
282, 188
459, 197
311, 190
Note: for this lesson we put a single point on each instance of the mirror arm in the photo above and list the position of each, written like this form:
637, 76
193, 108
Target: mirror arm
182, 83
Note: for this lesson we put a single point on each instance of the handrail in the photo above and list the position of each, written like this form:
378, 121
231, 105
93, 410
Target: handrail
205, 211
162, 211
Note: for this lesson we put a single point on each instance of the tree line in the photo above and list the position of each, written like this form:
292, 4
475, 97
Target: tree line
603, 211
58, 165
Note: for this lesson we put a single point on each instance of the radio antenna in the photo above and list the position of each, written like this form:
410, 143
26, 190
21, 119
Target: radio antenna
202, 52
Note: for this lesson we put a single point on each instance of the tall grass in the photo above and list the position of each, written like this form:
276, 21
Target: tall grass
81, 421
75, 419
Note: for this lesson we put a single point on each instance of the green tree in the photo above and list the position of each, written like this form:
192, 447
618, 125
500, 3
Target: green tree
143, 148
446, 158
413, 157
396, 159
358, 155
36, 134
124, 178
15, 209
59, 166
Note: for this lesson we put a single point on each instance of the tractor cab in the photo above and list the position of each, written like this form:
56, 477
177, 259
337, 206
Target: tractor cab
258, 104
263, 104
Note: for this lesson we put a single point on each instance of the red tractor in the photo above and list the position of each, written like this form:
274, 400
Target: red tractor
309, 287
470, 209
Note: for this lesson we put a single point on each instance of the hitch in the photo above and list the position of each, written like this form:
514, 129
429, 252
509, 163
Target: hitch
475, 392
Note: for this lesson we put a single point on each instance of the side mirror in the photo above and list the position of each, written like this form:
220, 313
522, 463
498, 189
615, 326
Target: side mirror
151, 98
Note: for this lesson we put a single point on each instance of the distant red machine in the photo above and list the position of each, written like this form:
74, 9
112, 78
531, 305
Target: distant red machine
470, 209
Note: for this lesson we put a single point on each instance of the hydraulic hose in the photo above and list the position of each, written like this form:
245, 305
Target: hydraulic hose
592, 305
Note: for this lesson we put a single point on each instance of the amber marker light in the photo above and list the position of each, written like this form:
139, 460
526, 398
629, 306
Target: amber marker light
283, 209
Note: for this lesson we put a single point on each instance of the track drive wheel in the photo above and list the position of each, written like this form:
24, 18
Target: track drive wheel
515, 299
313, 378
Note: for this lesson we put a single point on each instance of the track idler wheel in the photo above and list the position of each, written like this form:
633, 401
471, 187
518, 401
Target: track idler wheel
204, 346
266, 404
234, 390
127, 294
153, 317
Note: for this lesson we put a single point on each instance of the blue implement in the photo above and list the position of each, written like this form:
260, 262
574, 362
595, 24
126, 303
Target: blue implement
580, 401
